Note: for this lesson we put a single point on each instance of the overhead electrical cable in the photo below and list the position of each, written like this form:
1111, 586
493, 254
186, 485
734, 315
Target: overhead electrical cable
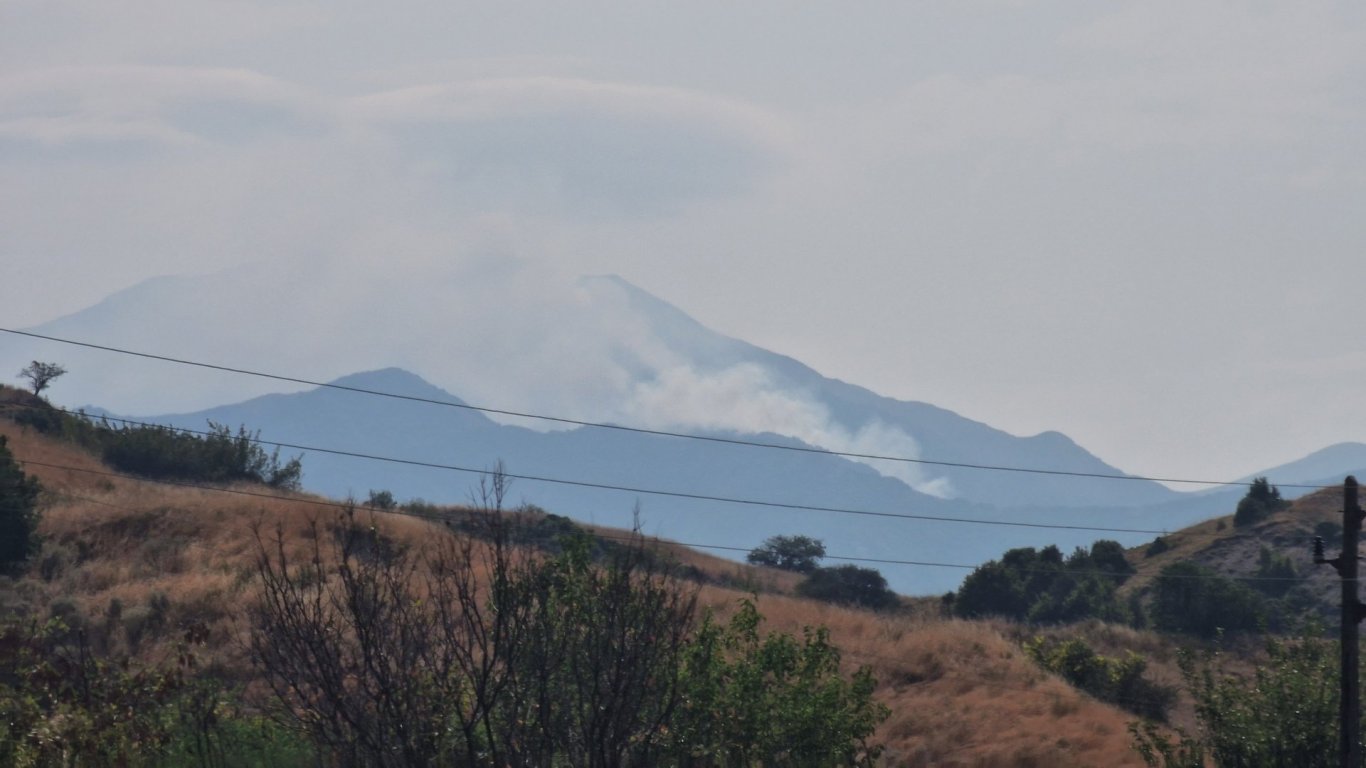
657, 492
618, 488
437, 517
638, 430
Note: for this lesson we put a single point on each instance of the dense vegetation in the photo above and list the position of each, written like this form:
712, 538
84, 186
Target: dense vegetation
1284, 715
1116, 680
1041, 586
1193, 599
530, 659
18, 511
460, 650
849, 585
216, 455
65, 700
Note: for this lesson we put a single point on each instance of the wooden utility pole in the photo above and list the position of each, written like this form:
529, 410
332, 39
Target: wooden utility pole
1349, 705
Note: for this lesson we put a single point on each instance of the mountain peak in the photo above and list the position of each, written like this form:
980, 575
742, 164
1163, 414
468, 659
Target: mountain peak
395, 381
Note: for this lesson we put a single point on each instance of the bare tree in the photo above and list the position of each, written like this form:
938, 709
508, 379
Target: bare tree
40, 375
471, 649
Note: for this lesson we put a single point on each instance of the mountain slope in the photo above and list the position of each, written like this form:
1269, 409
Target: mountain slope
942, 435
607, 475
601, 350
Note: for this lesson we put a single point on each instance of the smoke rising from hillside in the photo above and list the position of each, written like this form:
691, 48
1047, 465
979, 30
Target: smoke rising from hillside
745, 398
494, 330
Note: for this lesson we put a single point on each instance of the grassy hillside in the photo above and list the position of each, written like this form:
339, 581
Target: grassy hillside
1235, 551
135, 560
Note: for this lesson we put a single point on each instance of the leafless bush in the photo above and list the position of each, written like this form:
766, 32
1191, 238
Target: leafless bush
470, 649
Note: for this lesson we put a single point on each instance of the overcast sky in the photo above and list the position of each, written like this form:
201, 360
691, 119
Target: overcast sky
1141, 224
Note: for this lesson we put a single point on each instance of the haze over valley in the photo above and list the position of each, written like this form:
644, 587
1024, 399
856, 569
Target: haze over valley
620, 356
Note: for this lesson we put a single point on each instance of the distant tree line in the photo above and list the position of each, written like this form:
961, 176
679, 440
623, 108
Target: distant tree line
1042, 586
217, 455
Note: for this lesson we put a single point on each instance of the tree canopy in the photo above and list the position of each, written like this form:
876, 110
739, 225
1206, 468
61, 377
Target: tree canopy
851, 585
18, 510
1261, 500
40, 375
1042, 586
790, 553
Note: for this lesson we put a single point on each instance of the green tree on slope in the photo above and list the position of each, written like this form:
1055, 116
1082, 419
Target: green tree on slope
18, 511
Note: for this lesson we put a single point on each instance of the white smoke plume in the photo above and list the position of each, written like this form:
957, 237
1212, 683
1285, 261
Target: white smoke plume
745, 398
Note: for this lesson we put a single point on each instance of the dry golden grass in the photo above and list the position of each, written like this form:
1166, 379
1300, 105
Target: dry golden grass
960, 693
1219, 540
963, 694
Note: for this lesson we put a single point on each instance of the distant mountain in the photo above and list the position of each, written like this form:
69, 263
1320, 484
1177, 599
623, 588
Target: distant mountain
942, 435
1326, 466
593, 457
610, 352
607, 476
604, 351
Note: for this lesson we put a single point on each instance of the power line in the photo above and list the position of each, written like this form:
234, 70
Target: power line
656, 492
442, 518
637, 430
897, 661
619, 488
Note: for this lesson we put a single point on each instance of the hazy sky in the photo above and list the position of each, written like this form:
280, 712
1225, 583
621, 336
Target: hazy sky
1140, 224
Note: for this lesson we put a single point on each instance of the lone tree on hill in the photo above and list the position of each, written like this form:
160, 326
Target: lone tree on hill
1261, 500
790, 553
40, 375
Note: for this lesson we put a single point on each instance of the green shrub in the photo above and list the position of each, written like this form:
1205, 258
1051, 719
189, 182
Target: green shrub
774, 700
849, 585
1285, 714
216, 456
1275, 574
62, 703
381, 500
219, 456
1195, 600
1119, 681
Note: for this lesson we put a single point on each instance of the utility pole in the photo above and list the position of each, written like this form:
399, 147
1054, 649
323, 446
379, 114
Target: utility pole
1349, 705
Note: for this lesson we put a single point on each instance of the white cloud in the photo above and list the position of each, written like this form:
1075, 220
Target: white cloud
553, 145
175, 105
